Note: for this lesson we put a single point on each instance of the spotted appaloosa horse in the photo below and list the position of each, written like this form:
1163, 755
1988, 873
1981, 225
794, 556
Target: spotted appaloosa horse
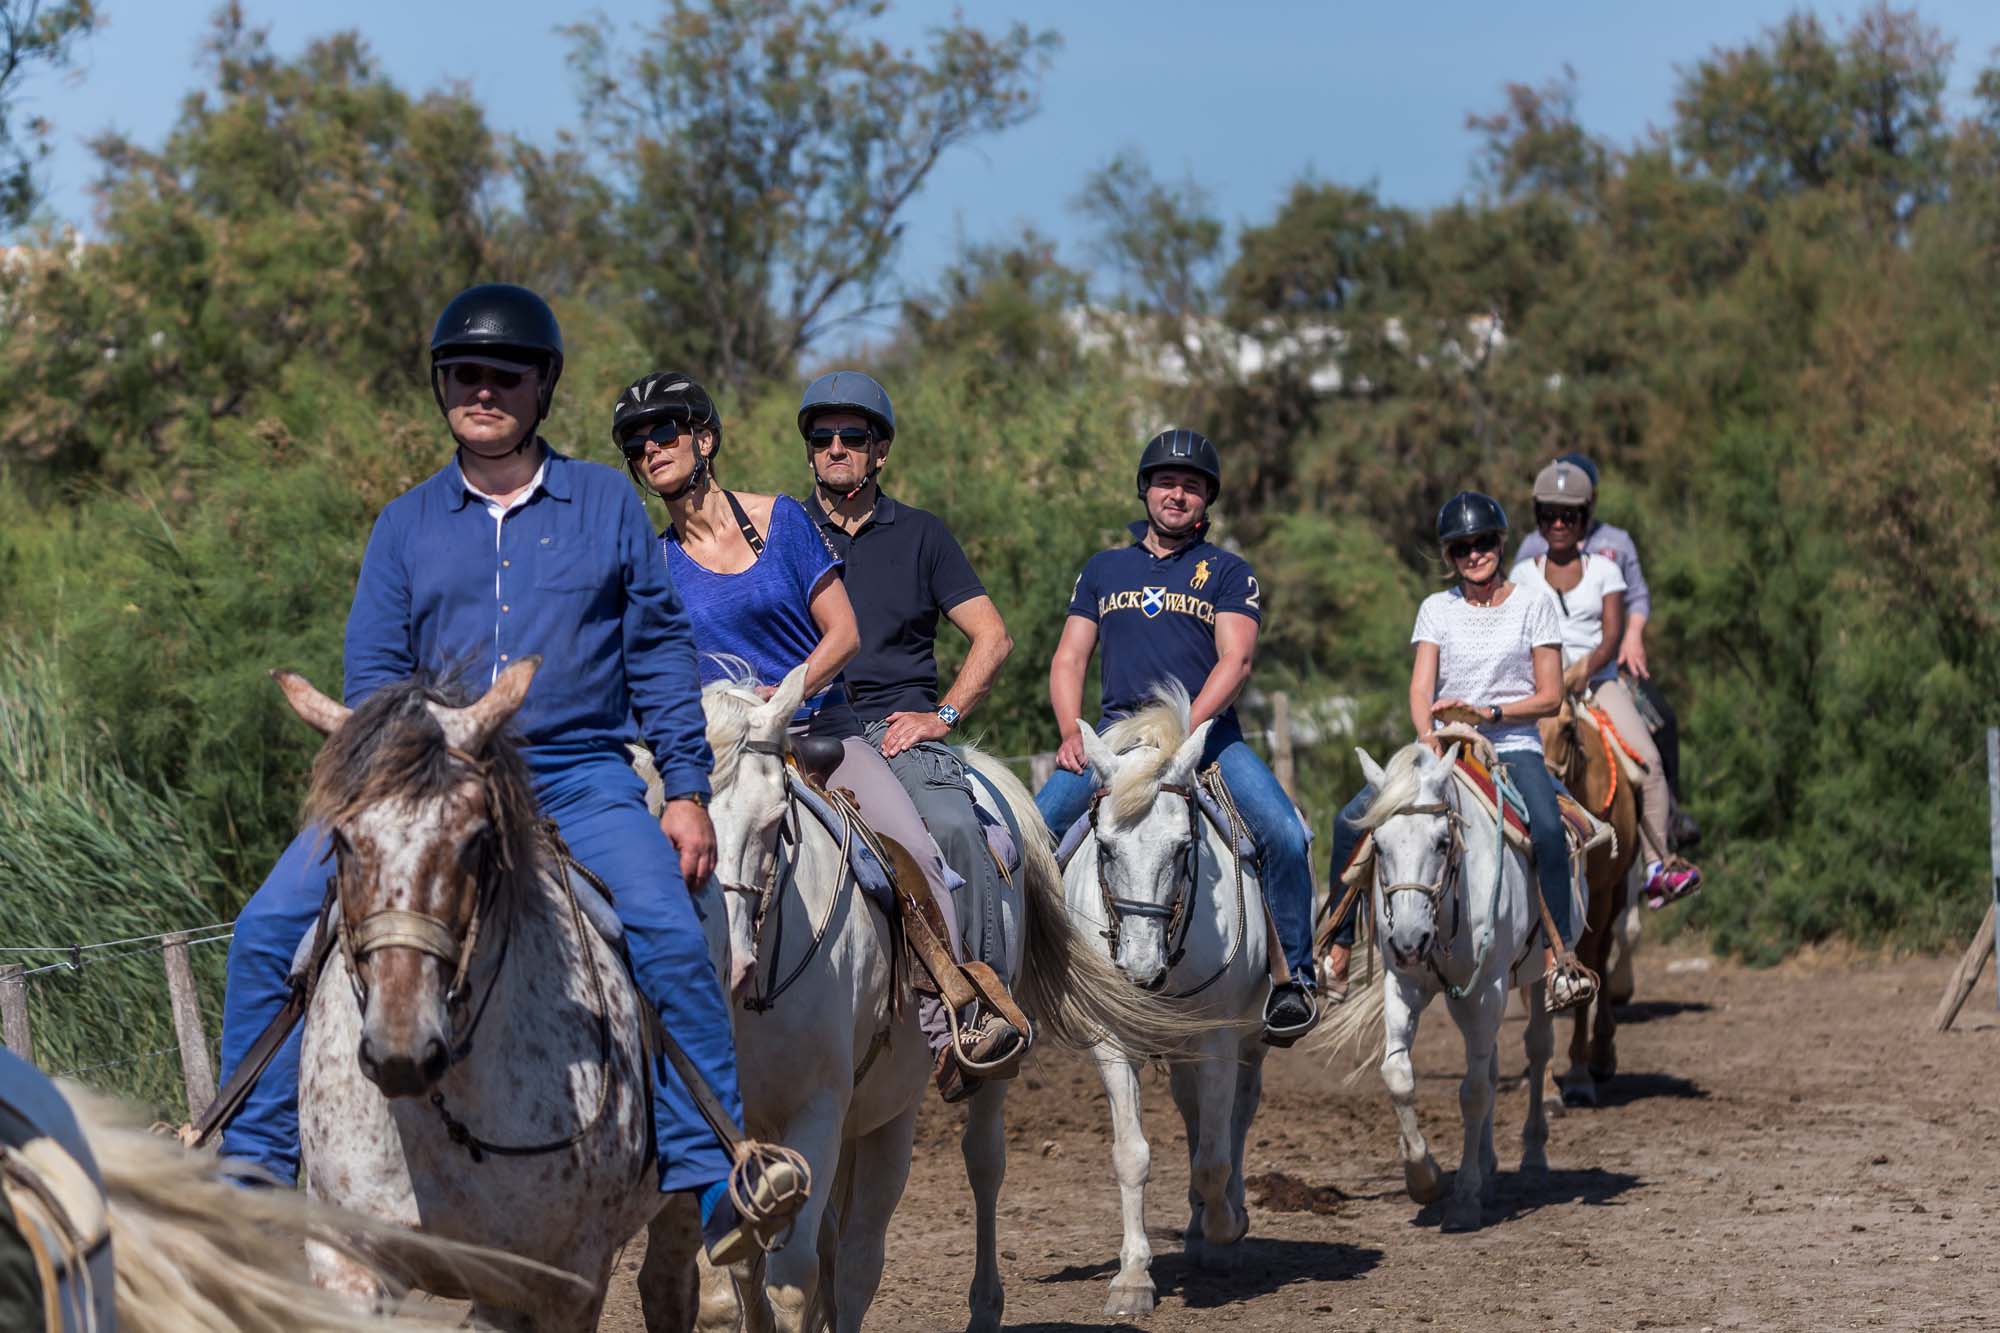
1575, 748
458, 929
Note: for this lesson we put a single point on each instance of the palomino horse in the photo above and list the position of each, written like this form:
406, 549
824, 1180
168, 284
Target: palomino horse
128, 1229
462, 938
1455, 912
830, 1061
1169, 899
1578, 753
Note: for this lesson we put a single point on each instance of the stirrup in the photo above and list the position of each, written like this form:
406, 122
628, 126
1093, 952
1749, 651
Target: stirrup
767, 1187
1282, 1037
1568, 984
1004, 1065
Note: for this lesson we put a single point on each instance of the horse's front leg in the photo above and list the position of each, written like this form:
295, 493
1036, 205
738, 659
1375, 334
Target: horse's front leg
1402, 1005
1205, 1089
669, 1283
1132, 1292
881, 1169
1478, 1017
791, 1273
1540, 1041
984, 1146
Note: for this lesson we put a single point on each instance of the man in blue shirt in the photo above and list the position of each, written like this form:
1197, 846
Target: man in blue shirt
1175, 606
513, 549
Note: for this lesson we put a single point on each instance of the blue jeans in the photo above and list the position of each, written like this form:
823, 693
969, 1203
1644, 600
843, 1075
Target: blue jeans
1545, 830
599, 804
1274, 824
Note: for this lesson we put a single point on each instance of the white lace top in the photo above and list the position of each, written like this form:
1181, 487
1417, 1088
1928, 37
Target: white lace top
1486, 654
1580, 611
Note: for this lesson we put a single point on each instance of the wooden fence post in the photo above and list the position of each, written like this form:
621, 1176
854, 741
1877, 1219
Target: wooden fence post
1042, 767
1281, 743
1993, 834
1966, 975
14, 1011
197, 1073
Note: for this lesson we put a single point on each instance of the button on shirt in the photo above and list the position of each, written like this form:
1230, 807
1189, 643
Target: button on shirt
570, 571
1155, 616
903, 568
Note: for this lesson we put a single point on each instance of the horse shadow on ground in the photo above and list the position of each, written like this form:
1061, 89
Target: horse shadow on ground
1518, 1194
1649, 1011
1262, 1265
1626, 1088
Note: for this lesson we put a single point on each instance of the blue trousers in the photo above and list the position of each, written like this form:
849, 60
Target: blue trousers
599, 804
1273, 821
1545, 830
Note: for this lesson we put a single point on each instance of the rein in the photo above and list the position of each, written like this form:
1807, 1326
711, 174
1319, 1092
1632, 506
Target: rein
781, 872
1177, 913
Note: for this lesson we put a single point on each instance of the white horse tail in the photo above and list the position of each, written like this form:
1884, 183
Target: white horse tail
1073, 992
1351, 1037
193, 1250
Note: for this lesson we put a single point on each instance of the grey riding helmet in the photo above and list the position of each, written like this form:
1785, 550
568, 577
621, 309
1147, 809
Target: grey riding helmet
1564, 485
848, 391
1182, 448
1581, 461
1468, 514
501, 325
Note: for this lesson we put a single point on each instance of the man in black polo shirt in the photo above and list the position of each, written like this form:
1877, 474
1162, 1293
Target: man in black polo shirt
904, 569
1175, 606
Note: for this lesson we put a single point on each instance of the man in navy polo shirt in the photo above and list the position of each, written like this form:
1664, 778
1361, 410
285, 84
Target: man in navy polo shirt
1174, 606
904, 570
513, 549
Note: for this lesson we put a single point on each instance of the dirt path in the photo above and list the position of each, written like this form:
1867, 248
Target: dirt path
1788, 1149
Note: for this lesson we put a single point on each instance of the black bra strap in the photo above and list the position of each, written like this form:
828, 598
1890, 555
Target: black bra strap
743, 523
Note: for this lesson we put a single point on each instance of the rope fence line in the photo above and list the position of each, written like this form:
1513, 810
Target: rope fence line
114, 1064
109, 944
76, 962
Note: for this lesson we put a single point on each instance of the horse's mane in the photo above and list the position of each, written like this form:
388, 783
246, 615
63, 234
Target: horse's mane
391, 748
728, 703
1402, 780
1160, 726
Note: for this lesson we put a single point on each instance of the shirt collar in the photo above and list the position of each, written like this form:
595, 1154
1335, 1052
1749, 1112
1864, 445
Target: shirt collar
553, 476
1139, 530
885, 510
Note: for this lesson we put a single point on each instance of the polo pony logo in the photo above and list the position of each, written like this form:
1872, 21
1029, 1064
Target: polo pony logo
1152, 601
1200, 574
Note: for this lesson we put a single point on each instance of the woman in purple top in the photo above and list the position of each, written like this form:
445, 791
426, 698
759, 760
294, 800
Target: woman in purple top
760, 584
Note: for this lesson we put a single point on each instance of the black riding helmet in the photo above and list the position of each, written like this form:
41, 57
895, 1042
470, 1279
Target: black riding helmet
848, 391
666, 395
1468, 514
1182, 448
501, 322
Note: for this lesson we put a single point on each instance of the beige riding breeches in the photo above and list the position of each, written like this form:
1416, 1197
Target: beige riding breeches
1655, 801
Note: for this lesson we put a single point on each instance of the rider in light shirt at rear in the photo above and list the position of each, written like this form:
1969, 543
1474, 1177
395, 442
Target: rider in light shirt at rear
1173, 606
1589, 592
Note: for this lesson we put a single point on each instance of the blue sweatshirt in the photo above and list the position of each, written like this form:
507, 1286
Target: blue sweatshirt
573, 573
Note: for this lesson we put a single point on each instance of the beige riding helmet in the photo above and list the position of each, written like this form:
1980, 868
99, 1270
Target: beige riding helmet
1563, 484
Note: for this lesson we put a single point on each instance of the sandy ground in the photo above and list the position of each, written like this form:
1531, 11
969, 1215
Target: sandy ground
1783, 1149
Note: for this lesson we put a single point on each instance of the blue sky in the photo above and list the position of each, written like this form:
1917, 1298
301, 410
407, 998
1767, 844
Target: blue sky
1242, 98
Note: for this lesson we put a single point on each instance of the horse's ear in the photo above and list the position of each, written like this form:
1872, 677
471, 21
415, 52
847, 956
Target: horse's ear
1181, 767
1371, 770
778, 709
471, 727
1450, 759
314, 709
1103, 759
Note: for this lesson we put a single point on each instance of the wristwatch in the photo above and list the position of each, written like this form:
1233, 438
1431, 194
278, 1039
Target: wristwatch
700, 798
1493, 711
948, 715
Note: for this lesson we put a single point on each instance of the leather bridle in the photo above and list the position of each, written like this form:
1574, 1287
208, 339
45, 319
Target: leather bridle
1436, 890
1175, 911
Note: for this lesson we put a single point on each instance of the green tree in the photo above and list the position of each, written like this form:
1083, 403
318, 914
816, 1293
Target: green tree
32, 33
764, 152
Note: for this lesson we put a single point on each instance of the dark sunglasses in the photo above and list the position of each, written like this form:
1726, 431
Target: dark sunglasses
469, 375
1546, 516
1479, 545
854, 437
659, 432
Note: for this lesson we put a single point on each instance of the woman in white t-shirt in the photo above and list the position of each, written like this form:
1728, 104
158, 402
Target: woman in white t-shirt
1589, 595
1490, 646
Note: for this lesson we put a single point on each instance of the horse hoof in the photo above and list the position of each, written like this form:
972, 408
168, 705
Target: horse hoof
1130, 1301
1464, 1215
1552, 1107
1534, 1161
1423, 1180
1617, 994
1580, 1094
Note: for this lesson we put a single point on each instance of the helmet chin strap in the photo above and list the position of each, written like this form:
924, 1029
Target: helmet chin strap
859, 486
695, 478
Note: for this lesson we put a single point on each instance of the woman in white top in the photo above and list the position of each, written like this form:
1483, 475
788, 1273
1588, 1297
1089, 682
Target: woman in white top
1589, 595
1487, 645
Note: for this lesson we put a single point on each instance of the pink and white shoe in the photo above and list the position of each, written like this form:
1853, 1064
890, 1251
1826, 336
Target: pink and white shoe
1671, 881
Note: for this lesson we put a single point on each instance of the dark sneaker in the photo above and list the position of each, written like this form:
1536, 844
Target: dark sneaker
1683, 834
1289, 1013
989, 1041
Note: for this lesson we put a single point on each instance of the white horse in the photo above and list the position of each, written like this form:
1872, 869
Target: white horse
1164, 895
830, 1060
500, 1094
1455, 914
